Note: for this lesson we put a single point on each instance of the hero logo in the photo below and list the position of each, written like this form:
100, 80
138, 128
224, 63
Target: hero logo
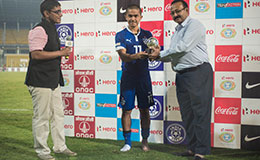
106, 129
247, 111
64, 32
68, 126
251, 4
65, 103
233, 58
156, 32
157, 83
78, 57
84, 10
169, 33
106, 82
202, 7
228, 33
78, 34
253, 31
233, 111
172, 108
105, 33
154, 64
169, 83
209, 32
156, 109
247, 58
175, 133
67, 11
167, 7
156, 132
152, 9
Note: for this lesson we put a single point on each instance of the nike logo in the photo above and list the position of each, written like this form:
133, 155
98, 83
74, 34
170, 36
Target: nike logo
248, 86
251, 139
122, 10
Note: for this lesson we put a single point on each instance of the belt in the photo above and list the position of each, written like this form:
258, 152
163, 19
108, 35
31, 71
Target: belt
190, 69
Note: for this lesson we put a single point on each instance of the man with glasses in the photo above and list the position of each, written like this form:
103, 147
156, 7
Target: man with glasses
44, 79
194, 79
135, 80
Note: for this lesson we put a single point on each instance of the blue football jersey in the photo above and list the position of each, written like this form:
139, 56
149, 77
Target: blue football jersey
133, 44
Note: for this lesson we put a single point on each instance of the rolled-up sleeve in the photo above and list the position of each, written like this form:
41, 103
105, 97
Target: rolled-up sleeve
37, 39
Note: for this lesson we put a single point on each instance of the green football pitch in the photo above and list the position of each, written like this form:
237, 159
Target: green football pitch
16, 141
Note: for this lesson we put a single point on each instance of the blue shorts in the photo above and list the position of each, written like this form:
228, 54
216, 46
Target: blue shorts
143, 92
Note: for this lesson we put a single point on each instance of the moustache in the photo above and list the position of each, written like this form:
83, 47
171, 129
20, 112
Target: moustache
177, 17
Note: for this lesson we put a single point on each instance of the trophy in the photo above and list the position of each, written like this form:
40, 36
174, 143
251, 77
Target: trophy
151, 42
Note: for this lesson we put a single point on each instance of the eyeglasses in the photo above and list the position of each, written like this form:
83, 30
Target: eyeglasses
56, 12
177, 11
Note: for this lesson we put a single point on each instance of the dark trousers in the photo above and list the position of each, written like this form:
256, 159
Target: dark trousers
194, 92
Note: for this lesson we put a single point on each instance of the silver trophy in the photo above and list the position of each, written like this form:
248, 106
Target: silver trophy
151, 42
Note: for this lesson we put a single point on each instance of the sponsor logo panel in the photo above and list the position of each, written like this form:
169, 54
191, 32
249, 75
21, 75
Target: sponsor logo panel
68, 103
156, 111
228, 84
228, 58
174, 133
106, 11
106, 58
69, 126
250, 85
68, 78
84, 126
121, 8
227, 110
84, 11
169, 28
210, 31
156, 132
250, 111
84, 57
251, 58
229, 9
202, 9
251, 7
229, 32
67, 11
250, 137
152, 10
167, 9
84, 35
158, 85
227, 135
106, 128
105, 34
251, 31
106, 82
84, 104
106, 105
135, 130
84, 81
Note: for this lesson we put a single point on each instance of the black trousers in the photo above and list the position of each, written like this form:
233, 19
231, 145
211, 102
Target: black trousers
194, 93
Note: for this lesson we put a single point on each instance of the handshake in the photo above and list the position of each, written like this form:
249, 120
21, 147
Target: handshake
153, 49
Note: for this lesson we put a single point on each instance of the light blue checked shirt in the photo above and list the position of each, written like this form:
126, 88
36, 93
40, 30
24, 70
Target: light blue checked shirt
188, 46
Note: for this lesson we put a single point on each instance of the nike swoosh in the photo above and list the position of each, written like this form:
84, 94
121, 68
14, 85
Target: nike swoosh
251, 139
122, 10
248, 86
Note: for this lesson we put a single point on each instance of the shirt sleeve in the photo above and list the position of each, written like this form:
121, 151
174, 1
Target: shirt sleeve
37, 39
192, 36
119, 42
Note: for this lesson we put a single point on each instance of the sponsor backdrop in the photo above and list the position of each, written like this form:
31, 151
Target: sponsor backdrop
93, 70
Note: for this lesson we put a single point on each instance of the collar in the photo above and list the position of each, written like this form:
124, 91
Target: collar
183, 23
132, 32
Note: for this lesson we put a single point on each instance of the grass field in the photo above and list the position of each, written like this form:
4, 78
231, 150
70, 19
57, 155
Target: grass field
16, 141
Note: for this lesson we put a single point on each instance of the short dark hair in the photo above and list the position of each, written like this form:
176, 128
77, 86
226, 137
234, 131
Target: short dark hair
134, 6
185, 5
47, 5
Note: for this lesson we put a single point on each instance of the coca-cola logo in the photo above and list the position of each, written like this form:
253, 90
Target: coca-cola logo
233, 58
157, 32
168, 7
226, 111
